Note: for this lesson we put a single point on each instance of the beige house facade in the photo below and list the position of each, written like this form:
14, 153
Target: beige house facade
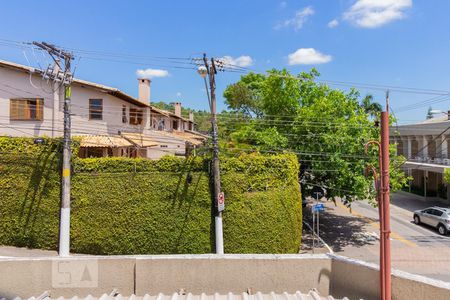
107, 121
425, 146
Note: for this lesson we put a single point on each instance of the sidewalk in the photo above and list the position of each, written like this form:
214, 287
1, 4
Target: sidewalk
9, 251
412, 202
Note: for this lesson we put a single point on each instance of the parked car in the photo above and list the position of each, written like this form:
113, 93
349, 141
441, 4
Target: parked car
437, 217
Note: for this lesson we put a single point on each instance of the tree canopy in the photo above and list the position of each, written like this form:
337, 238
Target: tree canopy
327, 129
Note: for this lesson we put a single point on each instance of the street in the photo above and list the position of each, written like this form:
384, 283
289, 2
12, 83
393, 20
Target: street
416, 249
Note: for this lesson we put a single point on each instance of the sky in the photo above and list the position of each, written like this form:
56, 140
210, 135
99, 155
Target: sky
388, 43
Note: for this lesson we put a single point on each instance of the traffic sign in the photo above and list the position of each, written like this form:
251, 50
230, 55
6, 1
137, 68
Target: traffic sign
318, 207
221, 202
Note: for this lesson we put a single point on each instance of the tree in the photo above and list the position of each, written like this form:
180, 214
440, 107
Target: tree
371, 108
327, 128
429, 113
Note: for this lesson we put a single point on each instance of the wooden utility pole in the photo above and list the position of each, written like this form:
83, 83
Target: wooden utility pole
66, 78
386, 199
215, 159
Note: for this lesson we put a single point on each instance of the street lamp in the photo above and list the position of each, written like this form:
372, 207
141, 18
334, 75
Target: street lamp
203, 72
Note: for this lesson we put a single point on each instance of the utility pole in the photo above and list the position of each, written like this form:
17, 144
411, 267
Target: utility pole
383, 198
386, 198
66, 78
211, 71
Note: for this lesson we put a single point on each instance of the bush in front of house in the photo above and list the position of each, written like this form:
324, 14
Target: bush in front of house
138, 206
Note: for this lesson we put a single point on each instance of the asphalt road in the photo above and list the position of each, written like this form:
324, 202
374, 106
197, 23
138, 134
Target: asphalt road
415, 249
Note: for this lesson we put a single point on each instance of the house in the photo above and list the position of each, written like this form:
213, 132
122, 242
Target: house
108, 121
425, 146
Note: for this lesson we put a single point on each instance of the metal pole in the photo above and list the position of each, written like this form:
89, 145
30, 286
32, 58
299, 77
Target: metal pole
64, 227
314, 229
215, 160
318, 222
385, 200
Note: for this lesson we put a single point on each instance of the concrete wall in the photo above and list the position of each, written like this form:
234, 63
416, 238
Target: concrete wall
65, 277
359, 280
235, 273
329, 274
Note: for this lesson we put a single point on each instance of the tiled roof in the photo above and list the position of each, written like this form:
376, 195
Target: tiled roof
139, 139
311, 295
104, 141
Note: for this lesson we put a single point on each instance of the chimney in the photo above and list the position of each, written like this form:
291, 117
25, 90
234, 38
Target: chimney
144, 90
177, 109
191, 116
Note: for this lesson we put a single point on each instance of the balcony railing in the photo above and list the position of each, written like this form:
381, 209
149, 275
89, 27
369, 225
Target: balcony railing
429, 160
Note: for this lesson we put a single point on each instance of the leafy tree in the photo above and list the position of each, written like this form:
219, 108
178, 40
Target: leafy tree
244, 96
327, 128
371, 108
429, 113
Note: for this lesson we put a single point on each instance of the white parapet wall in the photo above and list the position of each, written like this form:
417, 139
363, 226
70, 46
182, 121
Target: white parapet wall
96, 275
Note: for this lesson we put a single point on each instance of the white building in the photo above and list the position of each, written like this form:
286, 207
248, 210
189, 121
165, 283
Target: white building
425, 146
108, 121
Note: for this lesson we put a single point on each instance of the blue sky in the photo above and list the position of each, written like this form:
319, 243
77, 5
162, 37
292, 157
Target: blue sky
387, 42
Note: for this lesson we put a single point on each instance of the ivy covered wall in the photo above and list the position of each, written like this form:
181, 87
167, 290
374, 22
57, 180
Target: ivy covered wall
138, 206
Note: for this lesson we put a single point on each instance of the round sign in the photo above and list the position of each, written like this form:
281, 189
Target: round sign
221, 198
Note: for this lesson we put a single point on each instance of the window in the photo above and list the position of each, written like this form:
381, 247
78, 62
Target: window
161, 124
175, 125
437, 213
26, 109
124, 114
95, 109
136, 116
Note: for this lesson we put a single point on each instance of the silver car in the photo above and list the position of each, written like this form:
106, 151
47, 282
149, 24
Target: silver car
436, 217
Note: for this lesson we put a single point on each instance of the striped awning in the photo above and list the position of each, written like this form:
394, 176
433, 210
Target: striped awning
104, 141
139, 139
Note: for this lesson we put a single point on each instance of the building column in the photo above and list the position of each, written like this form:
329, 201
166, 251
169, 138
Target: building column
425, 183
444, 147
408, 145
424, 147
148, 118
410, 181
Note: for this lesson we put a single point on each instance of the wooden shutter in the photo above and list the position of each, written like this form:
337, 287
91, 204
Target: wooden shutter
39, 109
13, 109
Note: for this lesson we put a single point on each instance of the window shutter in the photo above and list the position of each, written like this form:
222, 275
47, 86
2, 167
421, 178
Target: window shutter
13, 109
39, 109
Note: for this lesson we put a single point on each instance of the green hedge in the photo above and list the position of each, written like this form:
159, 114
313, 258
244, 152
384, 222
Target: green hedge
138, 206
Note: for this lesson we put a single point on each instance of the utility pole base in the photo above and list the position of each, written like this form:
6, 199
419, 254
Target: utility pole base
64, 235
219, 234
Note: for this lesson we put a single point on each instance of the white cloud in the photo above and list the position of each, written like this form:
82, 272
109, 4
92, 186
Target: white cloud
152, 73
241, 61
333, 23
178, 94
301, 16
376, 13
308, 56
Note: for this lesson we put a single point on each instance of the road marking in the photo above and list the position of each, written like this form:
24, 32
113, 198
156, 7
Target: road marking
377, 225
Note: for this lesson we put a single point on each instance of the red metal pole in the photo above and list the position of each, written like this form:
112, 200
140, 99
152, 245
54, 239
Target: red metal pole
382, 254
385, 198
